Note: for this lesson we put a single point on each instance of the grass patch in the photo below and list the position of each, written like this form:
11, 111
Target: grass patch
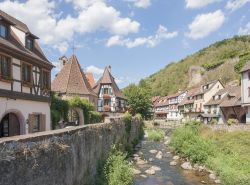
116, 170
227, 153
155, 134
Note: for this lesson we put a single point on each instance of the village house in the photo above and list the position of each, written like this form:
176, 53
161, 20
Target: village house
71, 81
223, 106
161, 107
192, 106
25, 75
245, 89
110, 97
173, 101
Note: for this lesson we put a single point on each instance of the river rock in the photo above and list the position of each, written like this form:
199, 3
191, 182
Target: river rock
167, 142
212, 176
150, 171
150, 159
217, 181
153, 151
155, 168
144, 176
173, 163
203, 182
135, 155
136, 171
186, 166
159, 155
176, 157
141, 162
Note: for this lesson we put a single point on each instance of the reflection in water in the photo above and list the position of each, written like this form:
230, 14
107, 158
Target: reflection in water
169, 175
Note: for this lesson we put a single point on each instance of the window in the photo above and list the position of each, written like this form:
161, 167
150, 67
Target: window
36, 125
3, 31
5, 67
29, 43
45, 79
106, 91
248, 91
106, 102
26, 73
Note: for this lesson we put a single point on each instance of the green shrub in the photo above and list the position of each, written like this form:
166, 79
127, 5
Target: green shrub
243, 60
138, 117
95, 117
155, 134
232, 122
214, 121
210, 66
127, 119
85, 105
55, 118
117, 170
187, 142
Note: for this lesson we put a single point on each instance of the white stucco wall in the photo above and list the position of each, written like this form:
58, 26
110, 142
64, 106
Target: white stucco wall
22, 109
245, 84
20, 34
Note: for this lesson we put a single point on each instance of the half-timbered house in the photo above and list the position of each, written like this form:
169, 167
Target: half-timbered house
110, 97
24, 80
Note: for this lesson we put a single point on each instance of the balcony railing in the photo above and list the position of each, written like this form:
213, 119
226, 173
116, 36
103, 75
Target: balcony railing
106, 108
106, 96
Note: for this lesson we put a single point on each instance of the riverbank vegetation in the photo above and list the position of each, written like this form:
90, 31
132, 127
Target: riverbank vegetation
227, 153
116, 170
155, 134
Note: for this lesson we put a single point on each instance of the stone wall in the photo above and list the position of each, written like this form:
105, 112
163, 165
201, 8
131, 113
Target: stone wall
232, 128
61, 157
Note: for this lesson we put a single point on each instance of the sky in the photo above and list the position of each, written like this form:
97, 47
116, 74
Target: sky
136, 37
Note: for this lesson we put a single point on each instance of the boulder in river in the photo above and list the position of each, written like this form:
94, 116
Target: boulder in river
141, 162
153, 151
144, 176
155, 168
173, 163
136, 171
159, 155
212, 176
150, 171
151, 159
187, 166
176, 157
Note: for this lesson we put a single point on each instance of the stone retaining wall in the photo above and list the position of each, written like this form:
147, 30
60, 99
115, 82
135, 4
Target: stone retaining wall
61, 157
238, 127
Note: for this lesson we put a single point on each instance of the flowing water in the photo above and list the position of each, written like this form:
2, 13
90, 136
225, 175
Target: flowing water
169, 175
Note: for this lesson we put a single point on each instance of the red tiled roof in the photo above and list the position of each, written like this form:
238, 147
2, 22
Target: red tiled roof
72, 80
90, 79
107, 78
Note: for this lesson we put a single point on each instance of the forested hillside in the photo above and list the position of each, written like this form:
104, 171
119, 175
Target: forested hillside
221, 60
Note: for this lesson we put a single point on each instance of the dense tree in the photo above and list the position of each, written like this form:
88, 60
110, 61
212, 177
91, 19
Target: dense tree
139, 99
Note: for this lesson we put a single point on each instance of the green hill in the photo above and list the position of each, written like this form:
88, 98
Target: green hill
221, 60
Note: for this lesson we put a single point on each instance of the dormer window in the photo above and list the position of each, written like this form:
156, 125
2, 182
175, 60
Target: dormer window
29, 43
3, 30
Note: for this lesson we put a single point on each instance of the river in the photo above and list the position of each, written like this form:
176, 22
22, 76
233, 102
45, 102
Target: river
168, 175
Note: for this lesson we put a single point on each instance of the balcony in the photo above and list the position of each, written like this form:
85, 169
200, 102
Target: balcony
106, 96
106, 108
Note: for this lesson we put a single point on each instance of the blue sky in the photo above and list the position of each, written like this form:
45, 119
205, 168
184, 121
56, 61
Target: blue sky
136, 37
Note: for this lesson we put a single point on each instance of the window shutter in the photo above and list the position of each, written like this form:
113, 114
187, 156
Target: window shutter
42, 123
31, 122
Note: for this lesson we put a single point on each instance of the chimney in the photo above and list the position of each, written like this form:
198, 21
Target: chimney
63, 61
109, 68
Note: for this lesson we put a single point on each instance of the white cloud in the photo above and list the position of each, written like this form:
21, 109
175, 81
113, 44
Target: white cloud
245, 30
140, 3
205, 24
95, 70
236, 4
150, 41
199, 3
92, 16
